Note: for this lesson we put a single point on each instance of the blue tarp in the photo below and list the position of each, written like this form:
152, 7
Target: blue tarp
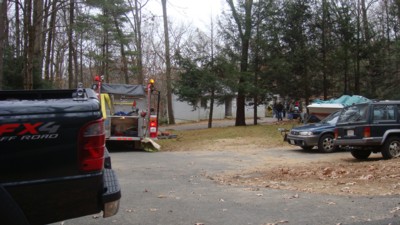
345, 100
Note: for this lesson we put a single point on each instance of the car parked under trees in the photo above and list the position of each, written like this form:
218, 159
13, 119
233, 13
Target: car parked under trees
320, 134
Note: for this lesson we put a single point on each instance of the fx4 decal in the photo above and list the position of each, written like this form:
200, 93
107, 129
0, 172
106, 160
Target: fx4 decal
28, 131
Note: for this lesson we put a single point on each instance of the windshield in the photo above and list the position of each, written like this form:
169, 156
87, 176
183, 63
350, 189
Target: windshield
354, 113
331, 119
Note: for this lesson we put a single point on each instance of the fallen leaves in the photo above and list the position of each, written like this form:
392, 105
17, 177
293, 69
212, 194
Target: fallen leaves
395, 209
366, 177
278, 222
375, 177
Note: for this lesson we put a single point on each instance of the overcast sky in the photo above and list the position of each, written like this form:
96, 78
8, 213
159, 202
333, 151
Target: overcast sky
198, 12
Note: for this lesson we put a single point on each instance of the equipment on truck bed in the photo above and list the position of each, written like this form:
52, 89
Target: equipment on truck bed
130, 113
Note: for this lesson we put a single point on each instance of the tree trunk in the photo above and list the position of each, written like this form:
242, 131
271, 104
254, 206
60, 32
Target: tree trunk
138, 33
171, 118
123, 55
3, 19
228, 107
324, 49
74, 52
71, 44
42, 33
105, 50
136, 6
78, 78
210, 115
37, 36
245, 38
212, 97
28, 49
357, 54
346, 69
257, 65
17, 30
50, 37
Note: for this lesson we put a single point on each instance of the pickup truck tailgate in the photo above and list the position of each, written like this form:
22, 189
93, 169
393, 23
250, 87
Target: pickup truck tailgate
40, 159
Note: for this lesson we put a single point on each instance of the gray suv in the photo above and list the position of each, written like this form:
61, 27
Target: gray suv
370, 128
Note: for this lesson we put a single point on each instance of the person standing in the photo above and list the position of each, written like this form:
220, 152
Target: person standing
279, 111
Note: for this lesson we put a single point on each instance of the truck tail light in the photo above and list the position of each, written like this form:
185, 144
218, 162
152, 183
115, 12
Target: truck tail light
367, 131
91, 146
153, 128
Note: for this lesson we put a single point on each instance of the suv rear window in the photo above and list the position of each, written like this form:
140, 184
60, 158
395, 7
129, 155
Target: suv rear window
354, 114
383, 113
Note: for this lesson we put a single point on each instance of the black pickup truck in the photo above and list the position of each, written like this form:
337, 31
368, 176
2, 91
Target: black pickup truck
53, 161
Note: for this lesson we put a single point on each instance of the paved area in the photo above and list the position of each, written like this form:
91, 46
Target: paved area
176, 188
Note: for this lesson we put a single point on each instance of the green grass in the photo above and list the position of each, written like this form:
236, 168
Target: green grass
267, 135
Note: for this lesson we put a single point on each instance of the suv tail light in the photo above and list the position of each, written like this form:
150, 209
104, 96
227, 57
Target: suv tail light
367, 131
91, 146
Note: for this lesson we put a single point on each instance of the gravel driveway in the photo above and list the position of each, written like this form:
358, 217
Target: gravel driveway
172, 188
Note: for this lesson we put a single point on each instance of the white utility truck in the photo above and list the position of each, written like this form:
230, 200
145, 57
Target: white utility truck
130, 113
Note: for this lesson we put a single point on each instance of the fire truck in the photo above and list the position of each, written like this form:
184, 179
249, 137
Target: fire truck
130, 113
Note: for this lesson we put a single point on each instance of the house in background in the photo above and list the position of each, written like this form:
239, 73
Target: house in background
183, 112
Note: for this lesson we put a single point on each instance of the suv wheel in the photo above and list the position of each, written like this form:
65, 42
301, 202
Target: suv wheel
325, 144
360, 153
391, 149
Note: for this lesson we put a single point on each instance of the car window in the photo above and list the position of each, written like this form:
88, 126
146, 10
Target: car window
383, 113
355, 113
331, 119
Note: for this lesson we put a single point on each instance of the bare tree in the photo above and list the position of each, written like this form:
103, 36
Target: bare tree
50, 40
71, 44
3, 18
29, 37
17, 30
137, 6
171, 117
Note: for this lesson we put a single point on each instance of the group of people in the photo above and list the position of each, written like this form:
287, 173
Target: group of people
293, 108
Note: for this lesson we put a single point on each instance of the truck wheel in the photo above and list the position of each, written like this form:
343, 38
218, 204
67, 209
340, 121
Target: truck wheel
325, 144
10, 212
360, 154
391, 149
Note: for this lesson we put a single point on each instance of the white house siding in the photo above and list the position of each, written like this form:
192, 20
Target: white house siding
183, 112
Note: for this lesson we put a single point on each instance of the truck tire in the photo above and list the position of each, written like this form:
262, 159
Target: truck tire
391, 148
325, 144
10, 212
360, 153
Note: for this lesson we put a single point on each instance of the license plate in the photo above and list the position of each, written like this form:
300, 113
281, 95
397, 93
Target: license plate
292, 142
350, 132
